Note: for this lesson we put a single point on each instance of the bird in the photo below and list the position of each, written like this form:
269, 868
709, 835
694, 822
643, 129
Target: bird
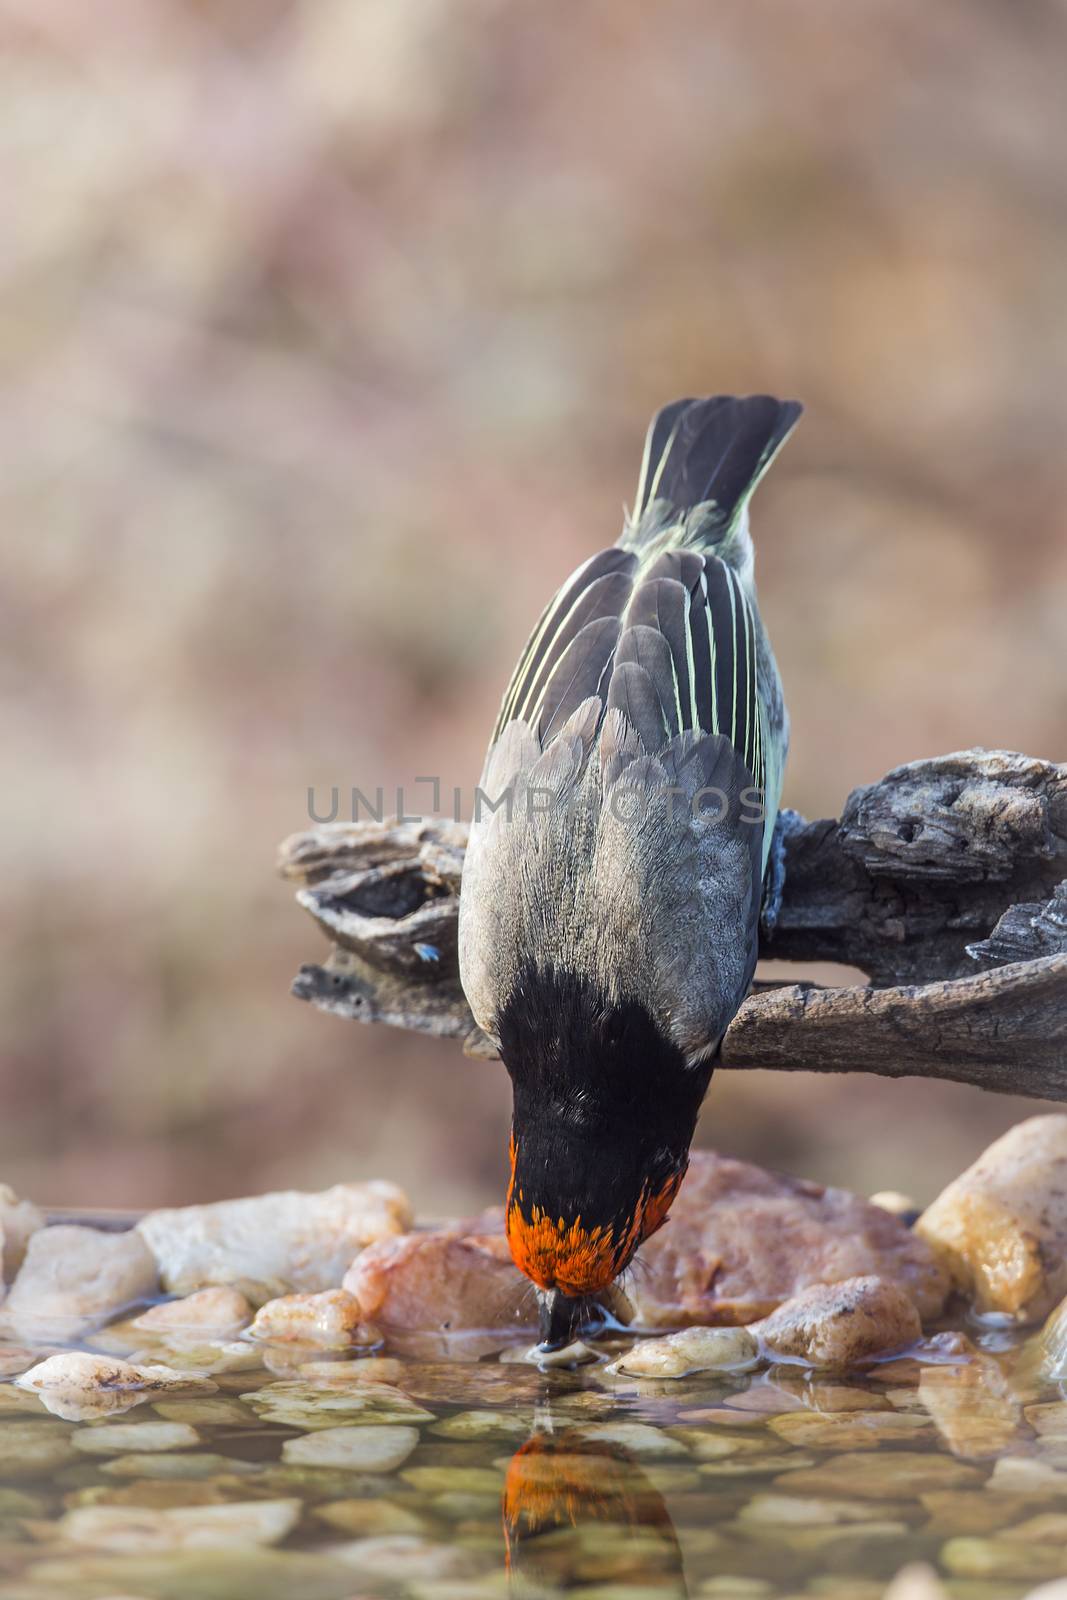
622, 845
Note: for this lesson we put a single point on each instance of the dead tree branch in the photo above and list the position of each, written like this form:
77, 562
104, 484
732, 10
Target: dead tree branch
946, 883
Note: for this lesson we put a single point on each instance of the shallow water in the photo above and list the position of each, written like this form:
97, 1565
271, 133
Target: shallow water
536, 1484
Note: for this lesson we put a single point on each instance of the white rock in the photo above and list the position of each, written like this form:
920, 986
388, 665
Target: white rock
18, 1221
274, 1244
691, 1350
79, 1385
118, 1438
140, 1530
215, 1313
364, 1449
73, 1279
330, 1319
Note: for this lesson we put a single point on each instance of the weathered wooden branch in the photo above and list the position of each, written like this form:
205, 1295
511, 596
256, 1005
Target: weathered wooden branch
946, 883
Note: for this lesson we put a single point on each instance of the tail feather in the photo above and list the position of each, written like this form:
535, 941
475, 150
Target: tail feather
711, 452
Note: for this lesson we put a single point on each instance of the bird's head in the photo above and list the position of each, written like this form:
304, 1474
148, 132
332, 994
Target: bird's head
604, 1112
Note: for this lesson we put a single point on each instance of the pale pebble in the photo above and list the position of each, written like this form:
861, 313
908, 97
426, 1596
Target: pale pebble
330, 1318
971, 1557
141, 1531
214, 1314
124, 1438
79, 1385
34, 1449
73, 1278
274, 1244
370, 1518
369, 1448
481, 1425
692, 1350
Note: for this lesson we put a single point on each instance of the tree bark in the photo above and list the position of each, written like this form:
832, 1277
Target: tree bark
946, 883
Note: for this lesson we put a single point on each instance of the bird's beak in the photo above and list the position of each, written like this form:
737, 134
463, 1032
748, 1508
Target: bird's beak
563, 1317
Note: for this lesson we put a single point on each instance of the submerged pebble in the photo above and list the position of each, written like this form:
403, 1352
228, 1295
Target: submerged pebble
1003, 1558
204, 1527
325, 1404
849, 1430
370, 1518
897, 1474
34, 1449
120, 1438
365, 1449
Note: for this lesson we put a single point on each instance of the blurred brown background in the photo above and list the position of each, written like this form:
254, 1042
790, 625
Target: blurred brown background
329, 330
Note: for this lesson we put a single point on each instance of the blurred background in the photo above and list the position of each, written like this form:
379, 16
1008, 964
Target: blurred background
329, 331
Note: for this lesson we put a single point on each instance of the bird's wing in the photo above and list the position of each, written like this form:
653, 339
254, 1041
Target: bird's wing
641, 867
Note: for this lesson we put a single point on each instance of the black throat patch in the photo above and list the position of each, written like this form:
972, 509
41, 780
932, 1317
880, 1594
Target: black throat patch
604, 1105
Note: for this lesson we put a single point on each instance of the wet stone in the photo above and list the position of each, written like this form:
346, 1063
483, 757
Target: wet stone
211, 1412
142, 1530
211, 1314
163, 1465
636, 1437
402, 1558
364, 1369
124, 1438
1003, 1558
841, 1325
74, 1278
773, 1510
708, 1445
1001, 1227
897, 1474
227, 1574
273, 1244
369, 1448
481, 1425
34, 1449
1048, 1419
79, 1386
962, 1511
676, 1355
849, 1430
449, 1480
370, 1518
327, 1405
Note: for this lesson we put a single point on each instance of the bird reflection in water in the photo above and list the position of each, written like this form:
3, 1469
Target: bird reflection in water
581, 1510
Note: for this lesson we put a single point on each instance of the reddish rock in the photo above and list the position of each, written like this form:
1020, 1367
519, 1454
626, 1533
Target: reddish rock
740, 1240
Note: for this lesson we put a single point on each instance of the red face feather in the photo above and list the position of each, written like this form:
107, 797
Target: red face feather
579, 1260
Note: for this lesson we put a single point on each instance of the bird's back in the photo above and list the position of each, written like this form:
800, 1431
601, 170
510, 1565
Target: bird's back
637, 759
